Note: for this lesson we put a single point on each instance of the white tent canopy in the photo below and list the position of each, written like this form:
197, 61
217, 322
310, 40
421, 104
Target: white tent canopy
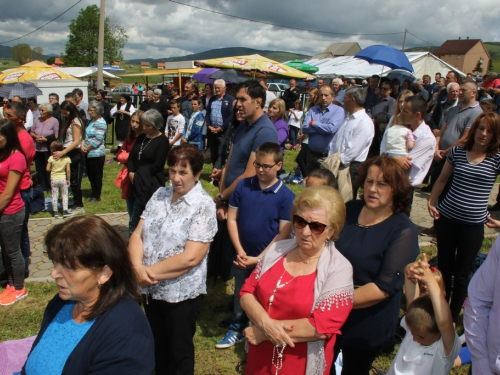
351, 67
90, 72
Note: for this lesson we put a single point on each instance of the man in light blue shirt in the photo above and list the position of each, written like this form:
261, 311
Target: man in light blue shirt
321, 124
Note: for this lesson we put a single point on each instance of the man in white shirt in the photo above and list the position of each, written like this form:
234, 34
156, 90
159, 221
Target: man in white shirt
355, 136
419, 158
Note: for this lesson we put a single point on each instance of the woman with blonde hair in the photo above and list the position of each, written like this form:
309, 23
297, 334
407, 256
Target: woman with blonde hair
301, 292
276, 112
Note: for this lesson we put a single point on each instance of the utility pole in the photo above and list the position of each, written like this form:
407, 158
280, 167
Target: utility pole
404, 39
100, 46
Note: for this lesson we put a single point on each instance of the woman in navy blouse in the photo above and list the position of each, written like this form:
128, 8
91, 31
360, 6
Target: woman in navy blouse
379, 240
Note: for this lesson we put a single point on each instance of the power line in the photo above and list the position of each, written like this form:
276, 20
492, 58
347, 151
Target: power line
52, 20
273, 24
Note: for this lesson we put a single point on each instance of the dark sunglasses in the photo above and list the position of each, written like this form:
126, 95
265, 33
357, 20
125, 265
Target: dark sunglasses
314, 226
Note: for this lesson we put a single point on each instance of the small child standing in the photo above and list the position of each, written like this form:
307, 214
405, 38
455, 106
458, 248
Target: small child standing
59, 178
431, 343
193, 132
175, 124
294, 123
399, 140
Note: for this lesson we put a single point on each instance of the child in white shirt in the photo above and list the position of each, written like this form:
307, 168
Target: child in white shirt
175, 125
399, 140
431, 343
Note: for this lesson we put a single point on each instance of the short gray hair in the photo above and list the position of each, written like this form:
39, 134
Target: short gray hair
358, 94
157, 92
150, 92
48, 107
153, 117
337, 80
448, 88
220, 82
99, 108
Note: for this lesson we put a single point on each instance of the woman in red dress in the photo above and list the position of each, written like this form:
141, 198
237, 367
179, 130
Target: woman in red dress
300, 294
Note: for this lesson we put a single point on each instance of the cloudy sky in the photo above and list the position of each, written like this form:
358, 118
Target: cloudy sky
162, 28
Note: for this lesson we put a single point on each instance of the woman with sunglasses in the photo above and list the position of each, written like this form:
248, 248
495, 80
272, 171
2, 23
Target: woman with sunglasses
379, 240
300, 294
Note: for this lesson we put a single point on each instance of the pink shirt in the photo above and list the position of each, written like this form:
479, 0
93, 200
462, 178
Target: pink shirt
15, 162
28, 147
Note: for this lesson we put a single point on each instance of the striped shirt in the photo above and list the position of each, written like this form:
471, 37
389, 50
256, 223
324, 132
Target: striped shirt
467, 199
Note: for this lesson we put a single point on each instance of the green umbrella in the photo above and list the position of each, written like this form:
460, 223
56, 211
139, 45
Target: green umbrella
299, 65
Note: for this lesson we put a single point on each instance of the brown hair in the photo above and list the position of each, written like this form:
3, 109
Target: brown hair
131, 133
270, 148
90, 242
493, 122
185, 155
421, 314
394, 175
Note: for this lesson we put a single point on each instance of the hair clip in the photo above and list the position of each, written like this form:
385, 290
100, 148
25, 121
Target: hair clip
434, 269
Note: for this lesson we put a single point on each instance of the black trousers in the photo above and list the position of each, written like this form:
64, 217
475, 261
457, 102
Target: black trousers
41, 158
95, 167
354, 361
354, 173
313, 161
301, 159
173, 326
214, 143
458, 245
74, 179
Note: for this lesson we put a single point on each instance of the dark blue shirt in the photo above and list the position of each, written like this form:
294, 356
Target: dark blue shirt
260, 212
378, 254
246, 140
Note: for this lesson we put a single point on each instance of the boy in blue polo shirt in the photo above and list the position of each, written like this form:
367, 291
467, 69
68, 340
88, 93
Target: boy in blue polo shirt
258, 215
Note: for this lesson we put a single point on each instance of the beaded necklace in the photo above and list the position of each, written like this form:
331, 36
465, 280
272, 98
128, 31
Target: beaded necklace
142, 147
279, 286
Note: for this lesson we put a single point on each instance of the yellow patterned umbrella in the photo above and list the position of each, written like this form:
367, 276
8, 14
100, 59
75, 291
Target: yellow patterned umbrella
32, 70
255, 63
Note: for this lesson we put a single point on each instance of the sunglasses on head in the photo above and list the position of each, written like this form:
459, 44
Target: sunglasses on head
300, 223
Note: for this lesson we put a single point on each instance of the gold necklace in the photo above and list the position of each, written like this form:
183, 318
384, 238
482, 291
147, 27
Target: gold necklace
279, 286
307, 261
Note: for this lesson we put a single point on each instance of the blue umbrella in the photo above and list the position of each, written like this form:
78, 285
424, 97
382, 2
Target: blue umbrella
385, 55
230, 76
21, 89
202, 76
401, 75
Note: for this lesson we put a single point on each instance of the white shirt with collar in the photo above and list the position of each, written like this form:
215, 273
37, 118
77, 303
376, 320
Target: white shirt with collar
354, 138
422, 153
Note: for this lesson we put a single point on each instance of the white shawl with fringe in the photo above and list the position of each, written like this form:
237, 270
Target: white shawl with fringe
333, 286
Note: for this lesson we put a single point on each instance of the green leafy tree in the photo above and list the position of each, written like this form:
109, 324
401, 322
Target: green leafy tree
81, 48
37, 53
478, 68
21, 53
490, 66
51, 60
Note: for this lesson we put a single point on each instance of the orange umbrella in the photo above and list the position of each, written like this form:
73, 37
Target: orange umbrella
32, 70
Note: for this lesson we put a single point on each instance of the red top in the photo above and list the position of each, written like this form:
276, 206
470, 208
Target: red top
494, 84
15, 162
28, 147
293, 301
122, 157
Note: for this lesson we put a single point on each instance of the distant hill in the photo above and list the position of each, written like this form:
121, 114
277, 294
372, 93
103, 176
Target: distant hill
6, 53
225, 52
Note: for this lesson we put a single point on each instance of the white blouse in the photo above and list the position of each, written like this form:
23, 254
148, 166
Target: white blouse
166, 229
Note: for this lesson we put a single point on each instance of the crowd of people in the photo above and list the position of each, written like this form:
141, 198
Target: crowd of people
319, 277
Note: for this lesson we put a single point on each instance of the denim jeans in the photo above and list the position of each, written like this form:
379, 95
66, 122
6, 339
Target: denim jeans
27, 196
130, 207
10, 235
239, 320
137, 210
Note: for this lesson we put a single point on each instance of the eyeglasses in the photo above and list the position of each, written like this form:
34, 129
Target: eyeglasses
265, 167
385, 88
300, 223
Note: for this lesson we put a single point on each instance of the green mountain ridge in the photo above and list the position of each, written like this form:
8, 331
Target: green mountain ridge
225, 52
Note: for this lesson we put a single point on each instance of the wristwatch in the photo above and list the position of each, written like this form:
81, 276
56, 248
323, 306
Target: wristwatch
221, 198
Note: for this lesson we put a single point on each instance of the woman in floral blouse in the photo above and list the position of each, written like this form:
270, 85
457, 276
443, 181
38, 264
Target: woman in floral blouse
169, 251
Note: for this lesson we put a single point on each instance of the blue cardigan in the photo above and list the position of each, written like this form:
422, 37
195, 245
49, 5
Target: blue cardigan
120, 342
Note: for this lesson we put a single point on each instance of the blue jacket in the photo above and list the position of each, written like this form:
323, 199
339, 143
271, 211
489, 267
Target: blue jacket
226, 110
193, 131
